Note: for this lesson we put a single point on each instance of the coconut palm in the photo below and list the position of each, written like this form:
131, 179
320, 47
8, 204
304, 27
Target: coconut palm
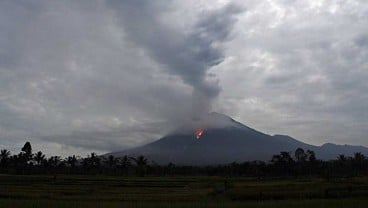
71, 160
54, 161
342, 158
141, 163
39, 157
358, 160
4, 155
95, 160
285, 157
111, 161
124, 164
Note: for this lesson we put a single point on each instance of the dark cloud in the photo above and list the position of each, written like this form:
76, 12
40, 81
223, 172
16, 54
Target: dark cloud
103, 75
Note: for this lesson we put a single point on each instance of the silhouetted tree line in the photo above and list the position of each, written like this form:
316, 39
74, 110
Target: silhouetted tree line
285, 164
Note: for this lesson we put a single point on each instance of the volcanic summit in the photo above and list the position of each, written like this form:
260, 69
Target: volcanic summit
218, 139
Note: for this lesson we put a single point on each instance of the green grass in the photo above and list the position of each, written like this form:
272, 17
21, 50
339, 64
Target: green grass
107, 191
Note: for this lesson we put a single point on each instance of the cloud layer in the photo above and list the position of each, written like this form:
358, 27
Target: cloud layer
107, 75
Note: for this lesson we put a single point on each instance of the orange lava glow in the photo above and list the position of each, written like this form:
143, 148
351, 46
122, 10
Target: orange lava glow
199, 133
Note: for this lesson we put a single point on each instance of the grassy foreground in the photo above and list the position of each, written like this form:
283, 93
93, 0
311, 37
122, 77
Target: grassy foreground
105, 191
320, 203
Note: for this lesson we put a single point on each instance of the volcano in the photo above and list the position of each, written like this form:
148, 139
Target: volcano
219, 139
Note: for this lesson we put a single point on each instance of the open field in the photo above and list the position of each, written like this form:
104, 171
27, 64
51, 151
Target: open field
108, 191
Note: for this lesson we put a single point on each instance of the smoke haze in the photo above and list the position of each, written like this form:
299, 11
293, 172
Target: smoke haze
188, 55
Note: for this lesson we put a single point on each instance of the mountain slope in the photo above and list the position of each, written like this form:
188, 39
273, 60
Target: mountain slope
225, 140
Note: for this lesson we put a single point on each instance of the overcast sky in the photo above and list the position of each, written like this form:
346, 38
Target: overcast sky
95, 75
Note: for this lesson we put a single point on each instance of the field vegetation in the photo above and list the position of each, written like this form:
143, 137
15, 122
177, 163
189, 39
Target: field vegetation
199, 191
30, 179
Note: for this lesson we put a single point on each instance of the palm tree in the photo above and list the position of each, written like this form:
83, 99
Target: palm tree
111, 161
276, 159
125, 163
282, 162
170, 168
54, 161
4, 155
39, 157
285, 156
95, 160
342, 158
91, 161
358, 160
141, 163
342, 164
71, 160
358, 156
14, 160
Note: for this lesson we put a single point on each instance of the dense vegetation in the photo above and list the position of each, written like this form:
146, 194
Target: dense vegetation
286, 164
296, 179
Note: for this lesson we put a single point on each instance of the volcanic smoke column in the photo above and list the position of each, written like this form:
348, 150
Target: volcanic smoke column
188, 55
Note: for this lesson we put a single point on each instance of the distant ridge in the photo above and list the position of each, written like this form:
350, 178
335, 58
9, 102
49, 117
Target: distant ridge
225, 140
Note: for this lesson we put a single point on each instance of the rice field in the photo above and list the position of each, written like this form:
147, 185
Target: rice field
108, 191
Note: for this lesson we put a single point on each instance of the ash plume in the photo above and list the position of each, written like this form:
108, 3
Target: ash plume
188, 55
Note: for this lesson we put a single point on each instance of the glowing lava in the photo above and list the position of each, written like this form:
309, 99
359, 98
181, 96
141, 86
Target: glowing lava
199, 133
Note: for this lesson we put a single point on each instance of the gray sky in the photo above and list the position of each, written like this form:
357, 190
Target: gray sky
82, 76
